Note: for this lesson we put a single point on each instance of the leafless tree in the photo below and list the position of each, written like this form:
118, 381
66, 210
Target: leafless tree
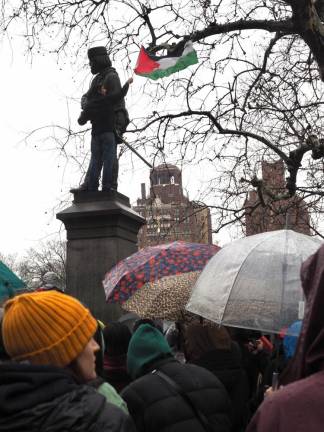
48, 256
256, 94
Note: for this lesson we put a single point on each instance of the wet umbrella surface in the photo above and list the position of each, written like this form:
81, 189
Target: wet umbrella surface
254, 282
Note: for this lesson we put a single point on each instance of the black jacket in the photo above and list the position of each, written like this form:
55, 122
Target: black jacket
156, 407
103, 111
227, 366
44, 398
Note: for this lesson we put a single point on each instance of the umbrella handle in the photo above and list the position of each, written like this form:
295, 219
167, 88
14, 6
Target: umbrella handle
275, 381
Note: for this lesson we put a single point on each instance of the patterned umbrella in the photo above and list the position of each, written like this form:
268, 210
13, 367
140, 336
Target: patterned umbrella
156, 281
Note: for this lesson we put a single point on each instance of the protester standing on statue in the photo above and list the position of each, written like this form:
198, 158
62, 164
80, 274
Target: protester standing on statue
47, 386
104, 106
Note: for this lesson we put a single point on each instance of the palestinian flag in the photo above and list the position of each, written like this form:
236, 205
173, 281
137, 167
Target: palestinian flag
154, 67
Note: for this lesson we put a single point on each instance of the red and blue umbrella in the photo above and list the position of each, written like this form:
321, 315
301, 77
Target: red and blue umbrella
152, 264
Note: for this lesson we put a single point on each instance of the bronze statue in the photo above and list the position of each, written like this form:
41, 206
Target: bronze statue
104, 106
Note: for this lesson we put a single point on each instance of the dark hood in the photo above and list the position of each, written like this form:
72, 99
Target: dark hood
309, 356
25, 386
225, 364
99, 63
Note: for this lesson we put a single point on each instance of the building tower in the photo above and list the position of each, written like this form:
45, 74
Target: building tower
291, 213
168, 212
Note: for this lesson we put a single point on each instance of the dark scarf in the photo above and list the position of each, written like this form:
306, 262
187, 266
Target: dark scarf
117, 362
115, 371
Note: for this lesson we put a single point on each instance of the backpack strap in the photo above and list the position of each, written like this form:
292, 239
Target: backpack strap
175, 386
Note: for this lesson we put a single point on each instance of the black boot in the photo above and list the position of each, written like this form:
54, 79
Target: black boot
82, 188
115, 170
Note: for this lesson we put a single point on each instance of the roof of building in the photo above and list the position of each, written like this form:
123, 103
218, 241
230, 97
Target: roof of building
166, 166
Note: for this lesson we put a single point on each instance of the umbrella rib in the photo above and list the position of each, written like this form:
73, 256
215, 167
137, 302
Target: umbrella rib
237, 273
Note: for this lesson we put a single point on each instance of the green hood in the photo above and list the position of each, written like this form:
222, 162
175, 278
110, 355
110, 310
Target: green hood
147, 344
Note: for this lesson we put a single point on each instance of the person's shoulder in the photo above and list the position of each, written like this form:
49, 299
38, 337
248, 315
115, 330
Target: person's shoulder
95, 409
192, 374
82, 396
305, 389
141, 381
147, 384
82, 402
200, 371
110, 71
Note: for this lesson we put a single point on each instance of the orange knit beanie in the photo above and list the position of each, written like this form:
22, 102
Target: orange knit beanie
46, 327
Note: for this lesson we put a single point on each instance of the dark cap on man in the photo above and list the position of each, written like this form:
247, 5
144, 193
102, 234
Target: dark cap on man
97, 51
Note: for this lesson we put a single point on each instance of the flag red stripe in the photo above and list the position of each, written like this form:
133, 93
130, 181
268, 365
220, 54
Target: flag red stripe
144, 63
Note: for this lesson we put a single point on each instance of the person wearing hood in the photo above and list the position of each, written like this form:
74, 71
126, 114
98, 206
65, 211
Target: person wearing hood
116, 336
298, 405
167, 396
211, 347
104, 106
49, 339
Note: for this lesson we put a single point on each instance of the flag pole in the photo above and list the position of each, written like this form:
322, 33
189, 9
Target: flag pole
135, 151
130, 81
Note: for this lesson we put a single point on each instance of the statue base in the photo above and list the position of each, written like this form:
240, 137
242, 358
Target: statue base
101, 230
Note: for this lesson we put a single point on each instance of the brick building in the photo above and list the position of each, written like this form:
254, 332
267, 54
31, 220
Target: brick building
169, 213
276, 215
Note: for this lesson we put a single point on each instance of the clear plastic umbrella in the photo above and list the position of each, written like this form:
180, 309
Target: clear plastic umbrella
254, 282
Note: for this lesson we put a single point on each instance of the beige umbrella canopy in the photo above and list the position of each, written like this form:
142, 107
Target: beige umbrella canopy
163, 299
156, 281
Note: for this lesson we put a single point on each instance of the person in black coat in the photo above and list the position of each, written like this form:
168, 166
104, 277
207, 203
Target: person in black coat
255, 360
212, 348
47, 398
156, 405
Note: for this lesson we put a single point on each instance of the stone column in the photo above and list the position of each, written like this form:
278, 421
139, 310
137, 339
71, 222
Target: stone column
101, 230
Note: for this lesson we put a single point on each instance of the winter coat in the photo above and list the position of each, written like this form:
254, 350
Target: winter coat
45, 398
298, 407
156, 406
105, 111
226, 366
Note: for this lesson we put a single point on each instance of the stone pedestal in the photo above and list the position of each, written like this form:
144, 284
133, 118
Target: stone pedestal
101, 230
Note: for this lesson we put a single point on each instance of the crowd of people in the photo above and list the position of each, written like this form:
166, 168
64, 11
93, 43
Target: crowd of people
62, 370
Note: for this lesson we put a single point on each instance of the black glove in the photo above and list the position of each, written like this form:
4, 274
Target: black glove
82, 120
84, 101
